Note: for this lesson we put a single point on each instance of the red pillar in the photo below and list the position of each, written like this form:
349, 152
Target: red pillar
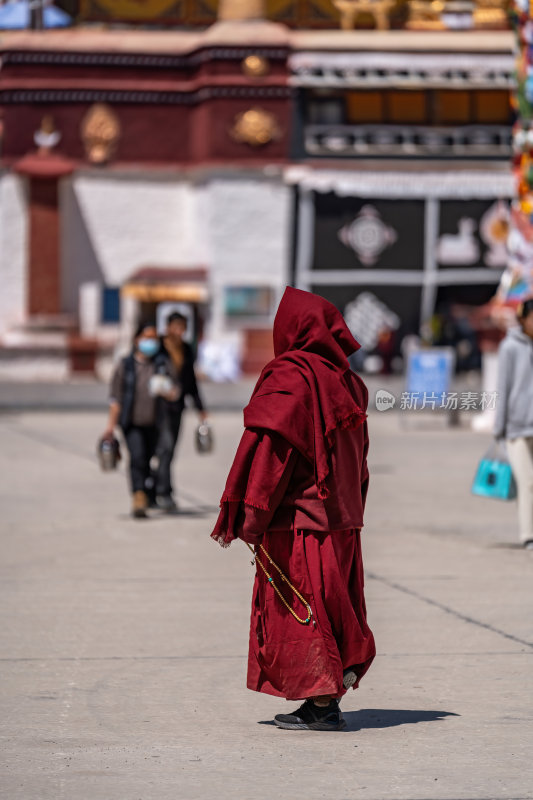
44, 261
44, 275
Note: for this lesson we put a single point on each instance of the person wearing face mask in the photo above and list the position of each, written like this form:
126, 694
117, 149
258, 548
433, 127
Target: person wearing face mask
139, 385
181, 357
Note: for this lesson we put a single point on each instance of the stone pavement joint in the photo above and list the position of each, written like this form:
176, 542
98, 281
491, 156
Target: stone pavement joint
446, 609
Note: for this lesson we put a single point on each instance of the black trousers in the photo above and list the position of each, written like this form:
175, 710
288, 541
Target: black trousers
168, 436
142, 444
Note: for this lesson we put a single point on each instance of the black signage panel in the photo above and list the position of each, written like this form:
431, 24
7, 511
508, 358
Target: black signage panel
355, 233
376, 306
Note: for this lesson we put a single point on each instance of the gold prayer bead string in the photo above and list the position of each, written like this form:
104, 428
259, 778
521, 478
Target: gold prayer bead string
285, 580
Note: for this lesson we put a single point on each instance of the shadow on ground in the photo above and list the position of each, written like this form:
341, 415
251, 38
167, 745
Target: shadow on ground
156, 514
384, 718
390, 717
509, 546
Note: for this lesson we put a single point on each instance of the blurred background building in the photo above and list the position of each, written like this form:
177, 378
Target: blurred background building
204, 155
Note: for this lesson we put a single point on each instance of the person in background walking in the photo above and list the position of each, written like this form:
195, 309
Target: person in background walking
136, 406
181, 358
514, 412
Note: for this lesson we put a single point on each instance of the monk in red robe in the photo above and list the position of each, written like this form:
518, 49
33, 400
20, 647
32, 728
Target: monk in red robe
296, 492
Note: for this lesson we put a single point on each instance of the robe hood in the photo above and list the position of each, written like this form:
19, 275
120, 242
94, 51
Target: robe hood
309, 323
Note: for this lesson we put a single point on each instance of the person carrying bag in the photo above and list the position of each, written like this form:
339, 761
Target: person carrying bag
514, 412
140, 385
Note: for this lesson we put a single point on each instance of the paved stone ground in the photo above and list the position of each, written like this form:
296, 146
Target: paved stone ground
85, 394
124, 642
91, 395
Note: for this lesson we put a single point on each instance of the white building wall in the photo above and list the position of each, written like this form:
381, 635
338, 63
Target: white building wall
236, 226
114, 224
248, 221
13, 250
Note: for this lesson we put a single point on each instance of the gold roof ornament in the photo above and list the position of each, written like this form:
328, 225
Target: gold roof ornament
426, 15
100, 132
240, 10
438, 14
350, 10
255, 127
490, 14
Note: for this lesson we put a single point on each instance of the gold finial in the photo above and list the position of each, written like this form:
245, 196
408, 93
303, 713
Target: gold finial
239, 10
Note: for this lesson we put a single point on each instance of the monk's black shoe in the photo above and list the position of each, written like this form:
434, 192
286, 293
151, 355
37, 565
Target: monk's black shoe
310, 717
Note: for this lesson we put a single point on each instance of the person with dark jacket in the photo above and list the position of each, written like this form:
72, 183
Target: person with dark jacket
514, 412
181, 358
140, 385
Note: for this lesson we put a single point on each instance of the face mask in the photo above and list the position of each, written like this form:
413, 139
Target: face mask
148, 347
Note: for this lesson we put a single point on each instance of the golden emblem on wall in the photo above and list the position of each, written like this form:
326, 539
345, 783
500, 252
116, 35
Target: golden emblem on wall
255, 66
255, 127
100, 132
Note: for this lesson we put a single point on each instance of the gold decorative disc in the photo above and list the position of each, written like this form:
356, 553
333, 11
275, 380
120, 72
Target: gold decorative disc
255, 66
255, 127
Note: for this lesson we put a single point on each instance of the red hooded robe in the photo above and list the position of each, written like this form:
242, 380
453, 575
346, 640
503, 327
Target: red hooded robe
298, 486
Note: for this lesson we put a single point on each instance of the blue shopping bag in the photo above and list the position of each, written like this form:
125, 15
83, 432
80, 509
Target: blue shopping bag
494, 476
